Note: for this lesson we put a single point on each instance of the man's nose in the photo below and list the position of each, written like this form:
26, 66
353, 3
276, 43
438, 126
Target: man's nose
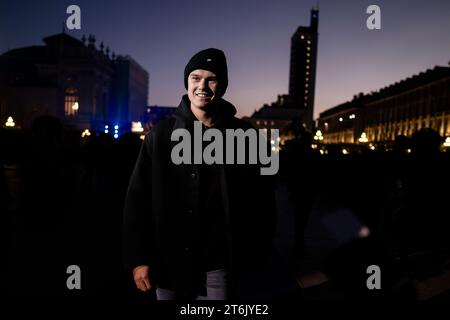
202, 84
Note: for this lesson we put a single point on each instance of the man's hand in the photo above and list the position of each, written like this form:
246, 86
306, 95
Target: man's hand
140, 275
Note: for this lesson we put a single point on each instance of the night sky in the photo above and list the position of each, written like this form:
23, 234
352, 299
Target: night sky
255, 35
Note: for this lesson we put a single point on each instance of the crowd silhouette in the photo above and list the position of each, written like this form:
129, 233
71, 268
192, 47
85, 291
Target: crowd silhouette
394, 198
61, 198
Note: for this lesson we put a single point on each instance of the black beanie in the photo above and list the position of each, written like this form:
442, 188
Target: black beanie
212, 60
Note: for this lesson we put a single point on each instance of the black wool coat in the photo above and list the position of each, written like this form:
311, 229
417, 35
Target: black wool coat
161, 210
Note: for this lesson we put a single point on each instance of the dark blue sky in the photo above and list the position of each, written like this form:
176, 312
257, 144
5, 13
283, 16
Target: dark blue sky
163, 34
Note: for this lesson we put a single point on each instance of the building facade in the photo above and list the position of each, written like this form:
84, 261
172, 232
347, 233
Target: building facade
303, 64
71, 80
422, 101
130, 89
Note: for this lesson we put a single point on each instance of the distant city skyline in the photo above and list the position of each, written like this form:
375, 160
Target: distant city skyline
162, 35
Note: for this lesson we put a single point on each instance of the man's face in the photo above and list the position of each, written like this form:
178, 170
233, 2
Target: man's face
202, 88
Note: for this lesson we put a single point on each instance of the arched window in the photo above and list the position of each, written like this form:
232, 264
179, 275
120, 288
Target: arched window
71, 104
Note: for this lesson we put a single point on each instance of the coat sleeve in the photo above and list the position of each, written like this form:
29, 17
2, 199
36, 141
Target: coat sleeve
138, 228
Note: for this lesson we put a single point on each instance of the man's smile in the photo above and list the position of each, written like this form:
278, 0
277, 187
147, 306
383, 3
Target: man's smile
203, 95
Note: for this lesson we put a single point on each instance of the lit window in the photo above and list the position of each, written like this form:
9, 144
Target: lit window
306, 98
340, 119
302, 36
309, 42
71, 104
308, 54
306, 85
306, 91
308, 48
307, 60
307, 67
307, 73
257, 122
306, 79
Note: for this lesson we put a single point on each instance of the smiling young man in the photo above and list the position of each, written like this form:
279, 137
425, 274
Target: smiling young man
197, 231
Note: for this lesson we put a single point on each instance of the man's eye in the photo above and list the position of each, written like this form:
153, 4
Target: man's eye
195, 78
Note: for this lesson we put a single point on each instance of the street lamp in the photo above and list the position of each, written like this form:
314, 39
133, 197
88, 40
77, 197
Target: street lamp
10, 122
447, 142
363, 138
136, 127
318, 136
86, 133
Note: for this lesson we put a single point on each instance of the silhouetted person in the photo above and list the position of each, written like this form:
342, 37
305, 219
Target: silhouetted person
196, 231
418, 232
43, 179
424, 220
302, 179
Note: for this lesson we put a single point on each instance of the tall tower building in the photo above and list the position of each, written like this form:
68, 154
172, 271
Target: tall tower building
302, 73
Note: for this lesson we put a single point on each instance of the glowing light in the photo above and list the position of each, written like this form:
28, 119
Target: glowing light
10, 122
136, 127
75, 106
85, 133
116, 127
106, 126
352, 116
363, 138
340, 119
116, 136
318, 135
314, 146
106, 131
345, 151
408, 150
274, 149
142, 136
447, 142
364, 232
272, 141
372, 147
